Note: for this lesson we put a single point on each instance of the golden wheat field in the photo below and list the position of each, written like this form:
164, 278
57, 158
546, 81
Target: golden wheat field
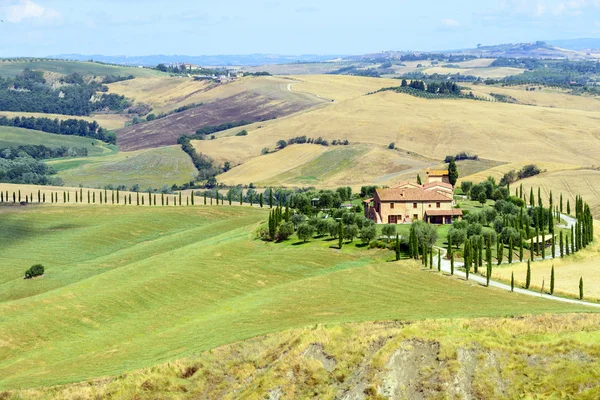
497, 131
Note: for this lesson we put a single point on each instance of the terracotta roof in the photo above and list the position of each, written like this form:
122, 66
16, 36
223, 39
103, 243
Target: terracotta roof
444, 213
368, 200
400, 195
438, 184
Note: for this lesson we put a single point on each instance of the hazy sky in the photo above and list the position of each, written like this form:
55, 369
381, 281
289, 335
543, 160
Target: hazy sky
141, 27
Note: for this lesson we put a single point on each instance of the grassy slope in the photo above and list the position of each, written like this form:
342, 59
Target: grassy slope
14, 137
107, 121
151, 168
482, 358
139, 286
12, 68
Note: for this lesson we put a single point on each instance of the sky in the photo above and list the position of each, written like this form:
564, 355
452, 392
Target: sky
145, 27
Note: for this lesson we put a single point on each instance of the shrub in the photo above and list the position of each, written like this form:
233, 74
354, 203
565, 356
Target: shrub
242, 133
305, 232
36, 270
392, 146
285, 231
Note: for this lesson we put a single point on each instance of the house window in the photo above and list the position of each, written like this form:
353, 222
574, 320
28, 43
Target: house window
414, 205
391, 205
438, 204
415, 217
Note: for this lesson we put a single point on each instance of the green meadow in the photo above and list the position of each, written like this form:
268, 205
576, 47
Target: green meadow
10, 68
14, 137
129, 287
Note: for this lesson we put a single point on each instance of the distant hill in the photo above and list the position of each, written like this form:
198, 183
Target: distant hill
516, 50
220, 60
576, 44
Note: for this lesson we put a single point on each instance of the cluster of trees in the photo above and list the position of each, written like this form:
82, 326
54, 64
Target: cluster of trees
525, 172
116, 78
486, 190
447, 87
207, 130
35, 270
75, 127
41, 152
462, 156
303, 139
29, 92
207, 170
25, 169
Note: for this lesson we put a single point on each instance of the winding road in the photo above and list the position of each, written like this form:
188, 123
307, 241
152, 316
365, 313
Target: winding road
445, 267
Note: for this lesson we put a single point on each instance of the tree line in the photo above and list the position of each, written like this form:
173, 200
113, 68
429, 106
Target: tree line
41, 152
73, 127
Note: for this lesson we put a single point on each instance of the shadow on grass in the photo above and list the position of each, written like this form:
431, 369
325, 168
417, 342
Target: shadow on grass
300, 243
361, 245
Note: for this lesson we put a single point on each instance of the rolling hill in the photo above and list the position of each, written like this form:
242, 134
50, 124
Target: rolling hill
251, 99
139, 286
12, 67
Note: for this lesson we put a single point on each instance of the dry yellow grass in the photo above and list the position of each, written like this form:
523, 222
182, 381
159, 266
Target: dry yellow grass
476, 63
567, 271
107, 121
499, 171
492, 72
339, 87
570, 183
319, 166
436, 128
546, 97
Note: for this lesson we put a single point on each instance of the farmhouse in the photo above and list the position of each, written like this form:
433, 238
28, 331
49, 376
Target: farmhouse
407, 202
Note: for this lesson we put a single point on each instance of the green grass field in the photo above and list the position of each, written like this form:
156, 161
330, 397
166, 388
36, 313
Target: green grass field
12, 68
14, 137
128, 287
152, 168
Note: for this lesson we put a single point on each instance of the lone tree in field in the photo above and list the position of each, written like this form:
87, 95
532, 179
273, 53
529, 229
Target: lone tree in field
581, 288
35, 270
452, 171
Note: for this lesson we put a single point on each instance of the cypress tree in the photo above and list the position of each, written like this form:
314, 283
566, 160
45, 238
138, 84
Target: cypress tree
439, 255
531, 250
553, 246
75, 196
567, 245
512, 281
561, 244
500, 252
452, 171
431, 257
467, 253
187, 201
573, 249
241, 198
531, 198
451, 263
149, 197
162, 199
271, 198
528, 276
475, 245
521, 250
552, 280
510, 250
155, 199
129, 198
2, 196
543, 245
521, 191
540, 203
561, 203
251, 199
192, 197
44, 197
39, 196
19, 195
180, 199
397, 247
424, 255
217, 194
64, 197
142, 198
94, 197
14, 198
100, 197
204, 198
340, 234
261, 200
167, 200
568, 207
581, 288
229, 197
137, 198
